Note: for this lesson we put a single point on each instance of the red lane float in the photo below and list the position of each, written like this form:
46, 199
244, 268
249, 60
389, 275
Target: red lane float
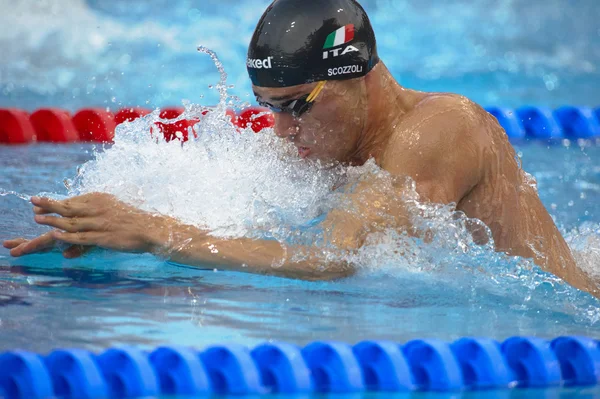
15, 127
130, 114
54, 125
169, 130
234, 117
250, 118
95, 125
174, 130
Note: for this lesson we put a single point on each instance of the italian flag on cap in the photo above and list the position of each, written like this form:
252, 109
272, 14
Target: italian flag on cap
340, 36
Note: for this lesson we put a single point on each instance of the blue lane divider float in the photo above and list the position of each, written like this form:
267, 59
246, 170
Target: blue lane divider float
384, 366
76, 374
540, 123
579, 360
482, 364
281, 368
334, 367
180, 372
578, 122
543, 123
509, 121
533, 361
433, 365
232, 370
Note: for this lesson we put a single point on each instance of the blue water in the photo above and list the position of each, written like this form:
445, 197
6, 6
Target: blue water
112, 53
141, 52
107, 299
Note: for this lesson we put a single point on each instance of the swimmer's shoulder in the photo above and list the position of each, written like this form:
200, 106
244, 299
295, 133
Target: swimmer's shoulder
441, 137
452, 108
441, 119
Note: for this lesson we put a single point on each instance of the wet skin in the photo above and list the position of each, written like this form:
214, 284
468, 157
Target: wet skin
455, 152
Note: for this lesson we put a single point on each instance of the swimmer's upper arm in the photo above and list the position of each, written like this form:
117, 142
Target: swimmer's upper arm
440, 145
371, 206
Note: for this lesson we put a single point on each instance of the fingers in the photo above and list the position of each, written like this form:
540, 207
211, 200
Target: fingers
40, 211
22, 246
15, 242
19, 250
70, 207
80, 238
69, 224
39, 244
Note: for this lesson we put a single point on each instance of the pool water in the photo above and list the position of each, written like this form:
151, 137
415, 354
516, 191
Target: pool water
142, 52
106, 298
103, 53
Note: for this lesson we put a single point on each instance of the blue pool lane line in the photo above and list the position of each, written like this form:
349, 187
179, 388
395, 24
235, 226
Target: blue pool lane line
335, 367
543, 123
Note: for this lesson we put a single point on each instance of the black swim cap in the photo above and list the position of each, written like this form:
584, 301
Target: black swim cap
304, 41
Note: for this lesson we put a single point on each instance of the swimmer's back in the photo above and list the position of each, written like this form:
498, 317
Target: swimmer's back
447, 138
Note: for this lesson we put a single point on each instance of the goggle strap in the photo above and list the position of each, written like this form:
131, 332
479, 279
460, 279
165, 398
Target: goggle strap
313, 94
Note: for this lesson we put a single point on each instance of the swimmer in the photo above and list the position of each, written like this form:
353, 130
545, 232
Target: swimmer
314, 63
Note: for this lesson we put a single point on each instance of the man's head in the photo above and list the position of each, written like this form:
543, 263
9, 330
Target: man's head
307, 60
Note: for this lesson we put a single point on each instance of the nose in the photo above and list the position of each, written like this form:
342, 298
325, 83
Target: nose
285, 125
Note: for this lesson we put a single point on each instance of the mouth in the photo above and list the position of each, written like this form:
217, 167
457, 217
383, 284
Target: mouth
303, 152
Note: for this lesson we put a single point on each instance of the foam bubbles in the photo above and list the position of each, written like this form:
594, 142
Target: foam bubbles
230, 181
585, 244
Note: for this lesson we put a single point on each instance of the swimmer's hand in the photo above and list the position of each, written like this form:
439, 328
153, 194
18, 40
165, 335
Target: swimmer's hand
101, 220
44, 243
89, 220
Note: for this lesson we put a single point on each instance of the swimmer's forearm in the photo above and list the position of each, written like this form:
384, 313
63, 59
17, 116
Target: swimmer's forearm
191, 246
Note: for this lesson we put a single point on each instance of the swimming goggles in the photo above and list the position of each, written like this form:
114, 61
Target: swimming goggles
298, 106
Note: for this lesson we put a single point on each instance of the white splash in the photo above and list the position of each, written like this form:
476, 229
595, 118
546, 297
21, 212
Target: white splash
24, 197
228, 180
585, 244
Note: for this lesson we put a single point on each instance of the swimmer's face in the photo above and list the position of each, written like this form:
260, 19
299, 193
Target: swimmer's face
330, 130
